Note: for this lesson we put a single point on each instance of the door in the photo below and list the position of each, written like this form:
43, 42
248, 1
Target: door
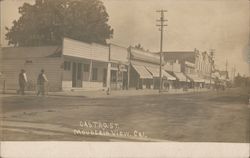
74, 75
104, 79
77, 75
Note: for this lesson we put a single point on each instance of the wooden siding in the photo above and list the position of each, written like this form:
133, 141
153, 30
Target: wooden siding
84, 50
52, 66
118, 53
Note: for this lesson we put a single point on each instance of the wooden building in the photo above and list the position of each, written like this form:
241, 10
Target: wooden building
94, 66
144, 69
73, 66
31, 59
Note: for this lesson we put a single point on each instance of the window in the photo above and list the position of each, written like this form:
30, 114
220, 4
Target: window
94, 74
67, 65
86, 67
114, 65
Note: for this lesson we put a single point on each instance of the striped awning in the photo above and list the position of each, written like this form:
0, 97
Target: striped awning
156, 73
168, 76
181, 77
142, 71
153, 70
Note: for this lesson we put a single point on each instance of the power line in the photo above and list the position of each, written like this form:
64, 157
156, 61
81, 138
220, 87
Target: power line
161, 25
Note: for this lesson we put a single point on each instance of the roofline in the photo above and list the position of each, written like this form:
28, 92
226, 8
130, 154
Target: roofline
131, 47
176, 52
32, 46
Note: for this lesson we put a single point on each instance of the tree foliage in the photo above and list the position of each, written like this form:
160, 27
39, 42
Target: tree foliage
48, 21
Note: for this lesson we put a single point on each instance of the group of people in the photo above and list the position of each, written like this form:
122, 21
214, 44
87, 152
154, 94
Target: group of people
41, 80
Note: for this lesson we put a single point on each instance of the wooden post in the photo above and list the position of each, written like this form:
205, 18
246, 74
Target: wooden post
129, 67
128, 75
108, 91
108, 78
90, 70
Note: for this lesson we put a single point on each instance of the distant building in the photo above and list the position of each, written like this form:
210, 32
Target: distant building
197, 66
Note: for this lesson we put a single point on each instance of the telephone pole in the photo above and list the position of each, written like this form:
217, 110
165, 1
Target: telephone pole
226, 64
1, 19
161, 25
212, 51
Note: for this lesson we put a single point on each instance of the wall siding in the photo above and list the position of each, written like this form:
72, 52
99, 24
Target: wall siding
118, 53
84, 50
52, 66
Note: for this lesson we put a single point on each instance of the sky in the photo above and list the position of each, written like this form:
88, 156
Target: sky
222, 25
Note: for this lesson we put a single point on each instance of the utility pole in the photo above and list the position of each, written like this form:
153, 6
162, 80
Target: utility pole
212, 51
161, 25
234, 70
226, 69
226, 64
1, 18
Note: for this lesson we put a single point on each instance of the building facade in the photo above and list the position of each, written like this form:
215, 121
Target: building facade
145, 70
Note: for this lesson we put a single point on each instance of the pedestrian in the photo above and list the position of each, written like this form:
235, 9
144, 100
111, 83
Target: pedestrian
22, 80
41, 80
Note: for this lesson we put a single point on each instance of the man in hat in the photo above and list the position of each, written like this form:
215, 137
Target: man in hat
22, 80
41, 82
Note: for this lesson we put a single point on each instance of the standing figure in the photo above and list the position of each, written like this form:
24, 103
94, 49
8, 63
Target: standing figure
41, 83
22, 80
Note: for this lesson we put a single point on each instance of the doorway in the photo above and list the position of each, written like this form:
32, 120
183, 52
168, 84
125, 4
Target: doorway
77, 74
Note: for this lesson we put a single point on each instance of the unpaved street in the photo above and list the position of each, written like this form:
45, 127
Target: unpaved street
195, 117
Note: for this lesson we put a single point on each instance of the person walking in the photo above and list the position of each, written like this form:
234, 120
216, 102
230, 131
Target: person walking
22, 80
41, 83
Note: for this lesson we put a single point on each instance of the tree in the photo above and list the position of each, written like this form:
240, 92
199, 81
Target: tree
48, 21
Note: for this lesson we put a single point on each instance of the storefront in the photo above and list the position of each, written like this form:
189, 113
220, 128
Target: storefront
140, 77
196, 81
119, 64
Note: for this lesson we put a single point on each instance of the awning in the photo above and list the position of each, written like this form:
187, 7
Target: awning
142, 71
181, 77
153, 70
156, 72
168, 76
195, 78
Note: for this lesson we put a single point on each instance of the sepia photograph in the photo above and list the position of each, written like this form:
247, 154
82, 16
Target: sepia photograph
126, 71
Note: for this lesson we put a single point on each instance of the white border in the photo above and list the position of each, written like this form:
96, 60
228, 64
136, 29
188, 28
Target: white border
122, 150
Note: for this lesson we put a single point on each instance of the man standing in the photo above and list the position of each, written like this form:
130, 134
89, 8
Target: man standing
22, 79
41, 82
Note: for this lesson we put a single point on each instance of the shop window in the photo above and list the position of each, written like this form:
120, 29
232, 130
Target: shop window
94, 74
86, 68
113, 76
67, 65
114, 65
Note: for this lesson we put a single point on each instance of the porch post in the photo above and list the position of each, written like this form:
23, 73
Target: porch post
90, 70
129, 67
108, 78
